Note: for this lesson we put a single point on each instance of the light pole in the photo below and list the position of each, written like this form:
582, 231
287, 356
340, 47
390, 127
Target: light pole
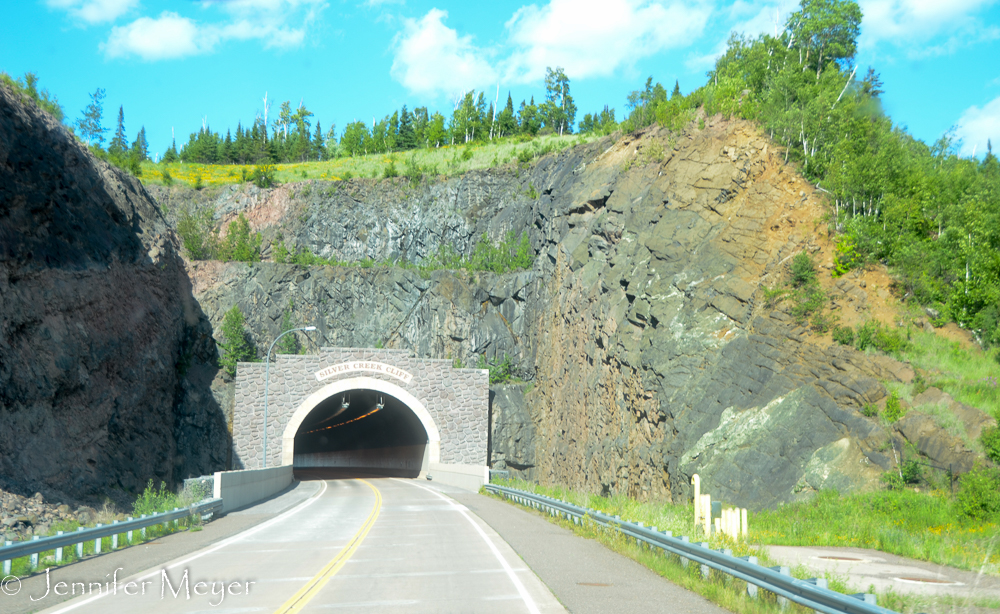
267, 375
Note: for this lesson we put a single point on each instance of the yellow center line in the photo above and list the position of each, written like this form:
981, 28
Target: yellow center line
313, 586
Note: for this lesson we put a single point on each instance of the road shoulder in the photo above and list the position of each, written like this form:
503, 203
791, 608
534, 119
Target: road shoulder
585, 576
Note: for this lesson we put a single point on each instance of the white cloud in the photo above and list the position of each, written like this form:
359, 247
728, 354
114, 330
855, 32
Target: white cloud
976, 126
911, 23
166, 37
598, 37
171, 35
433, 59
94, 11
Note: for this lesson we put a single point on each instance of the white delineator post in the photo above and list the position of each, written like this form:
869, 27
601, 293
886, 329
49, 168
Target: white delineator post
706, 508
696, 480
744, 528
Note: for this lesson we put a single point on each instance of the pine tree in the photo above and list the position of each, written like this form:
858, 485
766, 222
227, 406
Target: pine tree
677, 90
319, 148
140, 148
119, 144
90, 124
171, 156
405, 139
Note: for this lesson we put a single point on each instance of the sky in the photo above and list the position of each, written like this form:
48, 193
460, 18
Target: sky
174, 65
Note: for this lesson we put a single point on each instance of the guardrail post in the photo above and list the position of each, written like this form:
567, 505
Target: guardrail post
704, 568
752, 588
782, 601
59, 550
143, 530
97, 542
34, 556
114, 538
128, 536
79, 546
820, 583
684, 561
6, 563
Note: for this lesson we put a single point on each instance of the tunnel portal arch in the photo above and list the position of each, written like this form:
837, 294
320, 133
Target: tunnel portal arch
360, 383
452, 405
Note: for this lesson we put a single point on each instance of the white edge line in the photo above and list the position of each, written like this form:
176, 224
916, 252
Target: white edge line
229, 540
523, 592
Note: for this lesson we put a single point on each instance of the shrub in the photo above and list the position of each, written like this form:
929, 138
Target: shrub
263, 175
195, 231
198, 185
803, 270
844, 335
875, 335
991, 443
979, 494
168, 179
390, 171
240, 244
911, 472
236, 346
466, 154
894, 409
152, 500
499, 373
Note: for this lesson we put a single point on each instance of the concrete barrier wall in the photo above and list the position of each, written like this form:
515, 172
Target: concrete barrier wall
466, 477
241, 488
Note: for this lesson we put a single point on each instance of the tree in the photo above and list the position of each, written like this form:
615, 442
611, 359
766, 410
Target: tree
353, 141
171, 155
826, 29
677, 90
560, 111
90, 124
405, 138
235, 345
119, 144
289, 344
140, 148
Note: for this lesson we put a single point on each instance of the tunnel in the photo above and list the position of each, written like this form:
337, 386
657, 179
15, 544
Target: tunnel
361, 429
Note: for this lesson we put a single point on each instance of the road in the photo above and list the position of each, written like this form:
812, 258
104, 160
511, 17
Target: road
356, 545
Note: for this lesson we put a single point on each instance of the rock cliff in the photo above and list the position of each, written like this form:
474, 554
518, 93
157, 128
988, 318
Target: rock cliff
105, 356
645, 347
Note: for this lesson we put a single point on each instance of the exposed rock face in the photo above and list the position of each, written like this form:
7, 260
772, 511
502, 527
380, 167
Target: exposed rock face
104, 355
642, 329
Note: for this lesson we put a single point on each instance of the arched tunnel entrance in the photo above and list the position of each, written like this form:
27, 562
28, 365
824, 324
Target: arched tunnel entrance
362, 429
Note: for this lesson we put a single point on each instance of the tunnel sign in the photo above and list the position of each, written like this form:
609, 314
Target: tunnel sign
363, 365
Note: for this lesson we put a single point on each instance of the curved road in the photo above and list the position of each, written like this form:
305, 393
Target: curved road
357, 545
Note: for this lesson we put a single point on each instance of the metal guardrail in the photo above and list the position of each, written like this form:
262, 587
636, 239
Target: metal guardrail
810, 593
57, 542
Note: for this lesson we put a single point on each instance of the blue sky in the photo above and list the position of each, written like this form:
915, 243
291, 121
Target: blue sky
173, 64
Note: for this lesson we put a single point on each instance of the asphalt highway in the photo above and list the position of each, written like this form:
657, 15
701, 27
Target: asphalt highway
356, 545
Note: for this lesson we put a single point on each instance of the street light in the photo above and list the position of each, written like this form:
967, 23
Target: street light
267, 375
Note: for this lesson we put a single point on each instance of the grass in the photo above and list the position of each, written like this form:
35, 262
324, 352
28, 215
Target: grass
922, 526
445, 160
969, 375
149, 502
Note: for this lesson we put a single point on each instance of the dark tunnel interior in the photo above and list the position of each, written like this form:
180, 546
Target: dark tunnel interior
374, 431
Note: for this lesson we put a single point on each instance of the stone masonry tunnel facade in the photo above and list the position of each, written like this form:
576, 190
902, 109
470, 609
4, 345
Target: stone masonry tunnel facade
451, 405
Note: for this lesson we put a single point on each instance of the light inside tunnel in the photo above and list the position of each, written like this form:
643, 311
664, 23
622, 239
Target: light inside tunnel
362, 429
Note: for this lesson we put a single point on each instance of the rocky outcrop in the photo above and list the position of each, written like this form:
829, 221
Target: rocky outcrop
106, 359
642, 333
